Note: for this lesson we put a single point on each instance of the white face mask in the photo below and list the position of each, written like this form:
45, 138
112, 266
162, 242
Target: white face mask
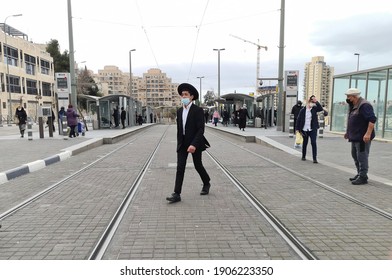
185, 101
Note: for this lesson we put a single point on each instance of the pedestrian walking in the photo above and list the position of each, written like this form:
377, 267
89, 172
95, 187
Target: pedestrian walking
226, 117
72, 120
360, 132
216, 117
307, 124
242, 115
295, 110
140, 120
190, 139
115, 117
206, 116
21, 115
123, 117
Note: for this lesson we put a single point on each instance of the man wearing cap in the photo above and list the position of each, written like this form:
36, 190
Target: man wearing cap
360, 132
190, 139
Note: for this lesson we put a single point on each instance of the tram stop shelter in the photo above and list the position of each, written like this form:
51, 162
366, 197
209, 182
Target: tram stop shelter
103, 108
265, 109
234, 101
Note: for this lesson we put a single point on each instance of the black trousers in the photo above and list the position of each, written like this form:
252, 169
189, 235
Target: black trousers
313, 137
182, 156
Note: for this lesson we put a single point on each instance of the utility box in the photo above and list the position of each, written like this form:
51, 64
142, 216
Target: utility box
257, 122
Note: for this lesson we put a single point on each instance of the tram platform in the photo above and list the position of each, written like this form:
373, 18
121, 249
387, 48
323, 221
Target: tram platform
20, 156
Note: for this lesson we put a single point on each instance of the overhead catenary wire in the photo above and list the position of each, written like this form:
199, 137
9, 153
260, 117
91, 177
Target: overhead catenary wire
197, 39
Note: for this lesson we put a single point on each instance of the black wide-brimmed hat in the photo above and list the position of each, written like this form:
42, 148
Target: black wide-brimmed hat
188, 87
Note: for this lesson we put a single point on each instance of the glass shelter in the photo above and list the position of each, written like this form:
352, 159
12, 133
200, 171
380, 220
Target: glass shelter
376, 87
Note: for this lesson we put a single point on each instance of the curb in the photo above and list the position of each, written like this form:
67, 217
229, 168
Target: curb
40, 164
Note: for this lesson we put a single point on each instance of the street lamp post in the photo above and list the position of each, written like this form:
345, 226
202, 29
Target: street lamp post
218, 50
8, 89
130, 72
357, 54
200, 89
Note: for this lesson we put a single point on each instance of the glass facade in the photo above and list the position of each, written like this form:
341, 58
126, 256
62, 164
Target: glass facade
376, 87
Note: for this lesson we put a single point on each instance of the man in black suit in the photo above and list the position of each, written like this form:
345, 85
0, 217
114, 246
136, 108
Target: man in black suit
190, 139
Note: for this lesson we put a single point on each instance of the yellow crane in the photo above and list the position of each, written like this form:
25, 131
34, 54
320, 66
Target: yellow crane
258, 56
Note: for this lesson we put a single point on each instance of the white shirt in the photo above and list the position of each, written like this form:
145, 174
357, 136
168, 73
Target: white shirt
185, 111
308, 119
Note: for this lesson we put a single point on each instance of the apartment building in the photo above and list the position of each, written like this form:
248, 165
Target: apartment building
26, 74
318, 78
154, 88
115, 81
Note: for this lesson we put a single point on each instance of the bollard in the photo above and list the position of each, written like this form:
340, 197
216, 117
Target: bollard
29, 131
291, 126
65, 127
321, 129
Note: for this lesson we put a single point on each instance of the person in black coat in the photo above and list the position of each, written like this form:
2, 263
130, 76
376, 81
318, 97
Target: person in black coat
307, 124
295, 110
115, 117
21, 115
190, 140
242, 114
123, 117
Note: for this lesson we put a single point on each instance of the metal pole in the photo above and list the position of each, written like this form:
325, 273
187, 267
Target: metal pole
71, 58
219, 50
130, 72
279, 117
201, 101
7, 87
357, 54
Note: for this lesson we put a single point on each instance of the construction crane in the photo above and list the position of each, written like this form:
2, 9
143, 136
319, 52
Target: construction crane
258, 56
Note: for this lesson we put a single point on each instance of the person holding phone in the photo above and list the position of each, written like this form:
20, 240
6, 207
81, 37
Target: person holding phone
307, 124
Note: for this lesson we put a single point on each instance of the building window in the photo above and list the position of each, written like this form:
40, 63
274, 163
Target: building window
11, 56
30, 63
45, 67
46, 89
31, 87
14, 84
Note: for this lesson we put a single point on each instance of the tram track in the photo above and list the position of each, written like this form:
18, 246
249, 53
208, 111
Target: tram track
298, 244
108, 229
35, 201
333, 190
103, 243
58, 184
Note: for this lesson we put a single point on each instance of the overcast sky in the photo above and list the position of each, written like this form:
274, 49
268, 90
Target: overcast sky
178, 36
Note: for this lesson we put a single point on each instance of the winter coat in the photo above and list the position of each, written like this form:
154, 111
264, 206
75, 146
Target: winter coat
72, 117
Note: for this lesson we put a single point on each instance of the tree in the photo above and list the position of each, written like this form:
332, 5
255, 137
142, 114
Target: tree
85, 86
60, 61
209, 98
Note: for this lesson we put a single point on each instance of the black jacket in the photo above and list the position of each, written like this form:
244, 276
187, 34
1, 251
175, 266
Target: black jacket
314, 124
194, 129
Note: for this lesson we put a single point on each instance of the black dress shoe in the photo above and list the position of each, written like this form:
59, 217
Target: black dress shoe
315, 161
354, 178
360, 181
205, 190
303, 158
175, 197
